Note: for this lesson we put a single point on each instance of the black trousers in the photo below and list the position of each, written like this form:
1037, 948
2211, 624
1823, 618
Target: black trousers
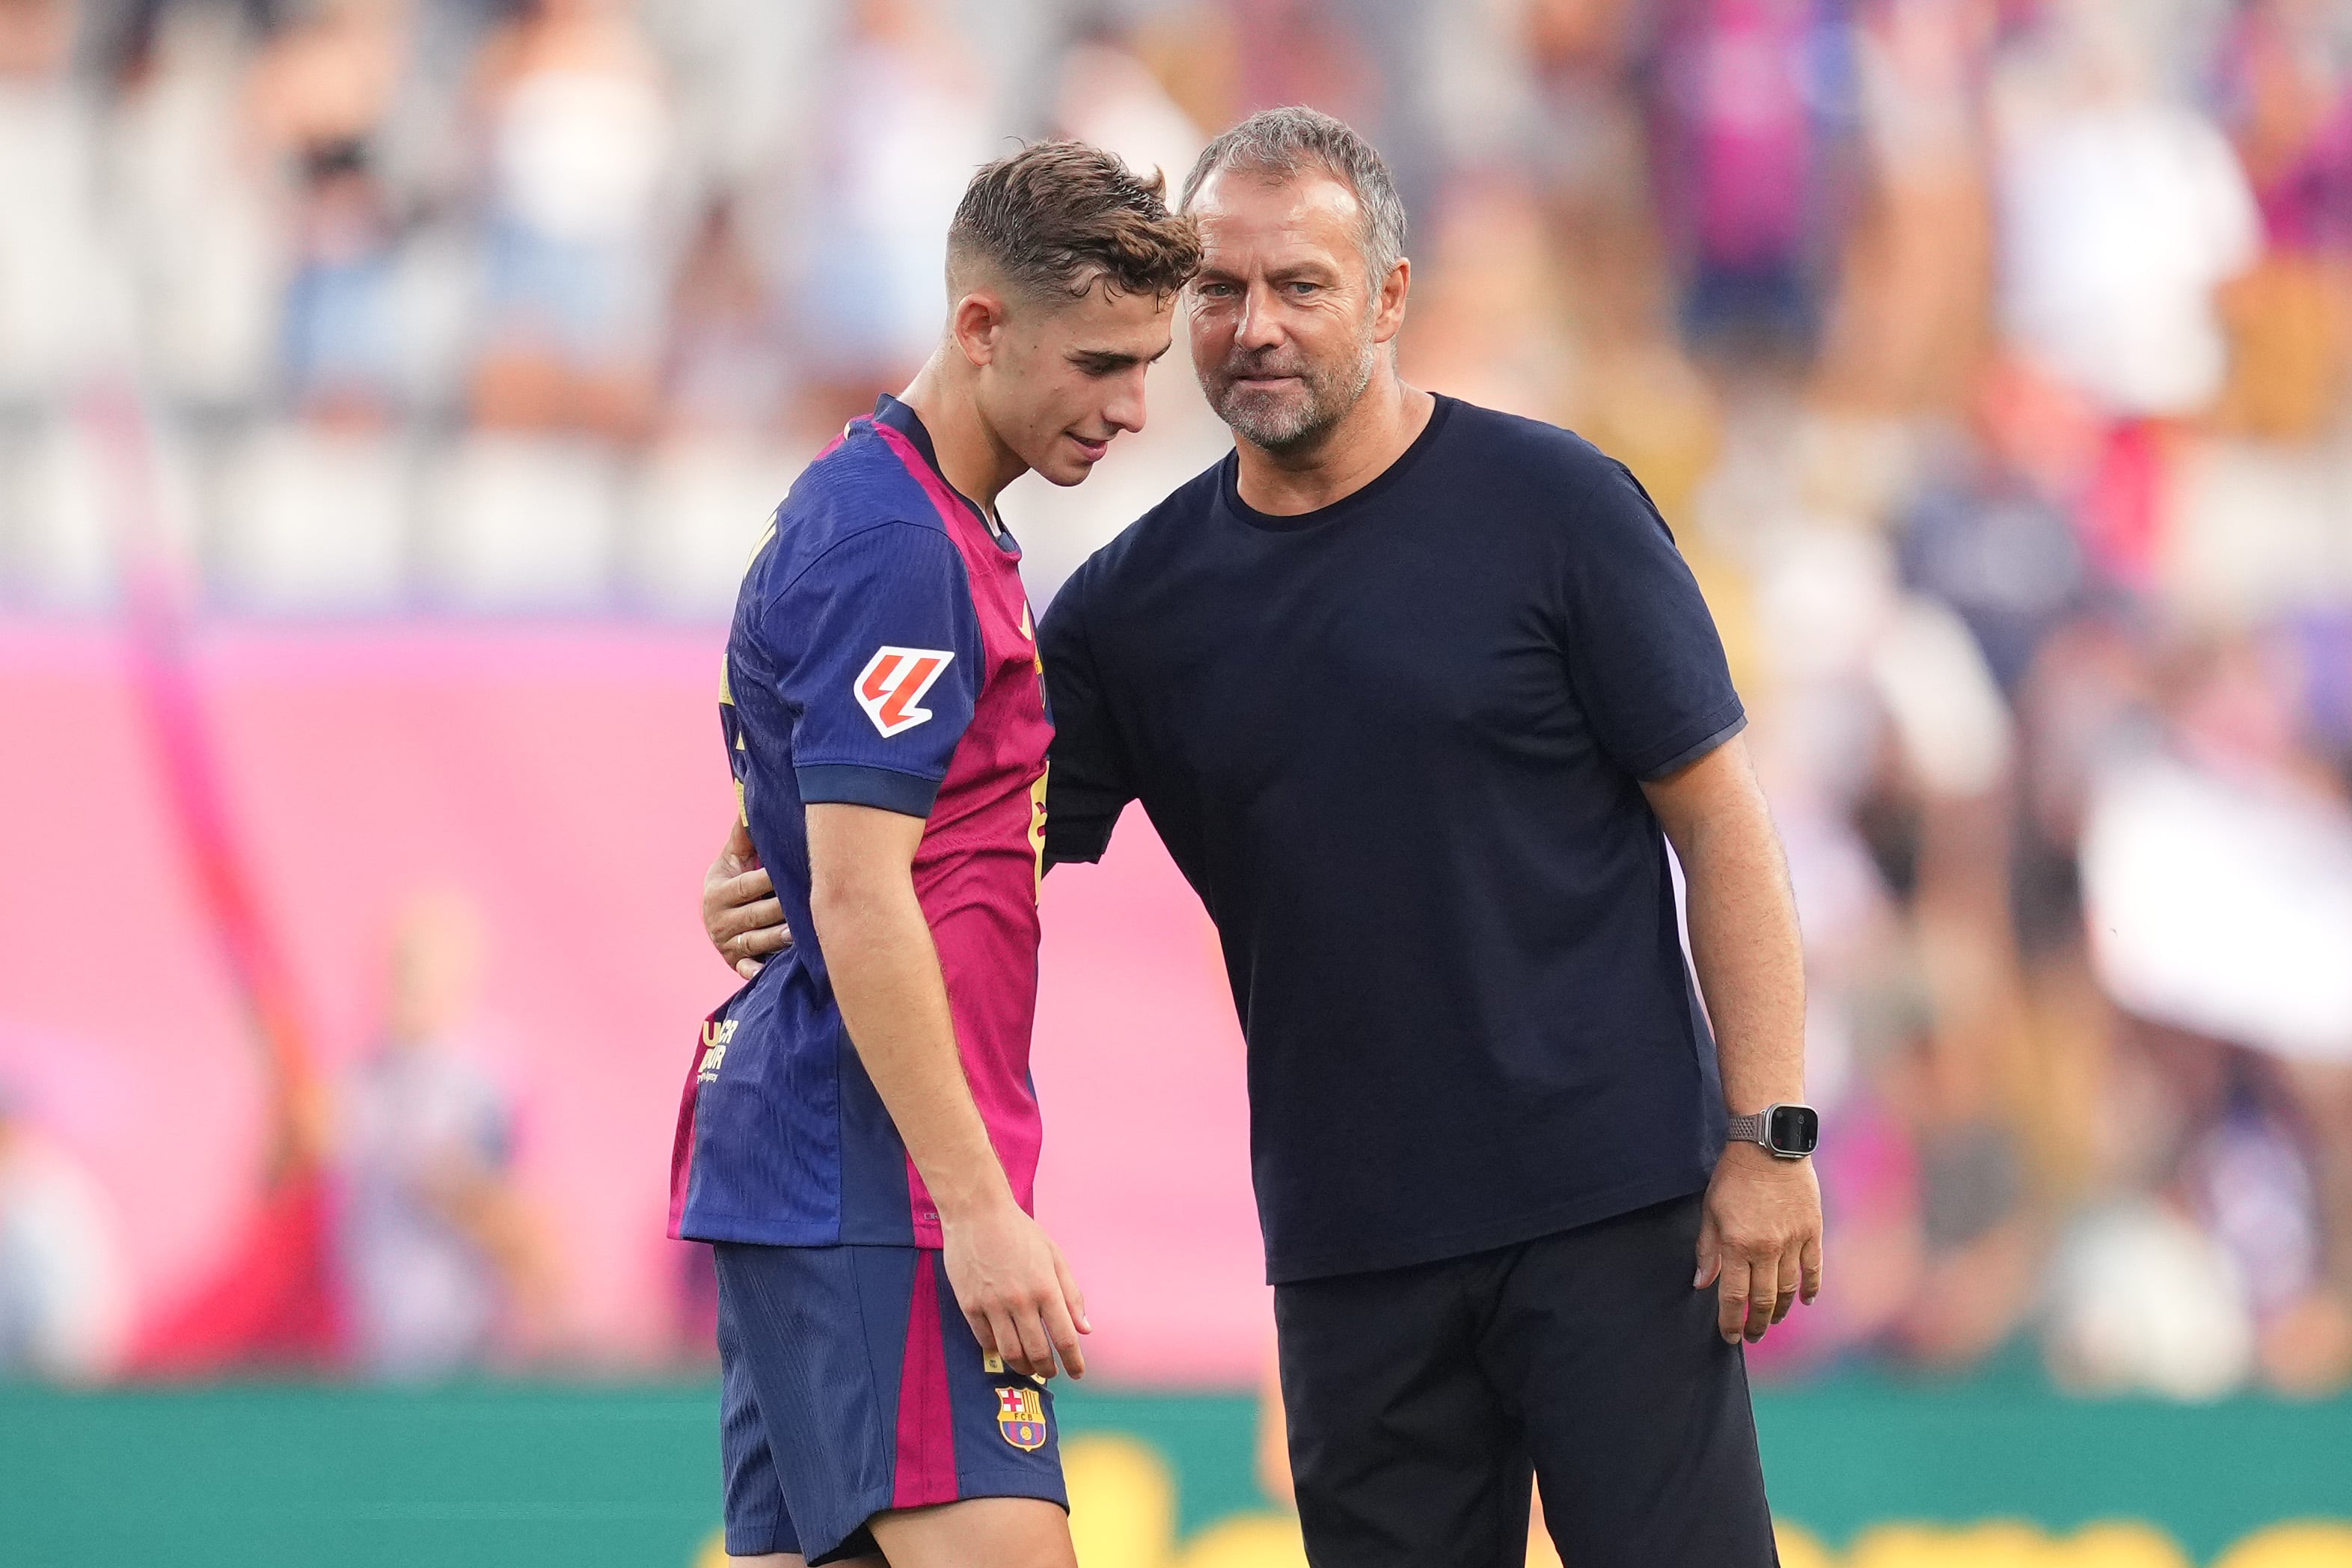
1422, 1400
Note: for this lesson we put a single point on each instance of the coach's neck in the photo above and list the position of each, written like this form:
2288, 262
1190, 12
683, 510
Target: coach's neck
1357, 448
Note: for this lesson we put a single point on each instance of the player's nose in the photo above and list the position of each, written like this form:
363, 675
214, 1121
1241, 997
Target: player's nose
1125, 409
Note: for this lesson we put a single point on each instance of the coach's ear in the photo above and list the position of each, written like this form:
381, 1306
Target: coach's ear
1387, 312
977, 324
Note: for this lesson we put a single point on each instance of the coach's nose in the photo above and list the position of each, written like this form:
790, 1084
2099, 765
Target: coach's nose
1260, 326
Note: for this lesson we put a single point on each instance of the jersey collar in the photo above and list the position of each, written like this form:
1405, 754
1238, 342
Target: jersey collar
902, 418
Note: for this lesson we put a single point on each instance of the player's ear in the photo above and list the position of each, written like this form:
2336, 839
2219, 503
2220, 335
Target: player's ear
976, 322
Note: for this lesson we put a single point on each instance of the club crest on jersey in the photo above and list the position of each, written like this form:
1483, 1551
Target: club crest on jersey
1021, 1416
891, 689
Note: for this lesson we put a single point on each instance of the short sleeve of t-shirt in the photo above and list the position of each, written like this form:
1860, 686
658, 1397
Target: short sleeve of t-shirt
1091, 781
879, 662
1642, 653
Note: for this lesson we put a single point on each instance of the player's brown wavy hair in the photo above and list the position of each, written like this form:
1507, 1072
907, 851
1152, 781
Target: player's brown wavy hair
1058, 217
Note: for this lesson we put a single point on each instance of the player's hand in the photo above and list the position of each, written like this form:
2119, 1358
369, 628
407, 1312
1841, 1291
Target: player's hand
1016, 1290
1761, 1241
739, 905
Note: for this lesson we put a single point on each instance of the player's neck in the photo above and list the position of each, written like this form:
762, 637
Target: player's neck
1386, 420
975, 462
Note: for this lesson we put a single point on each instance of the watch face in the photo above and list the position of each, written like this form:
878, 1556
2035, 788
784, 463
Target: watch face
1794, 1129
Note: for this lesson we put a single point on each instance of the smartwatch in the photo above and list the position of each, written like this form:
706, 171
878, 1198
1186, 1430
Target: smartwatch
1789, 1131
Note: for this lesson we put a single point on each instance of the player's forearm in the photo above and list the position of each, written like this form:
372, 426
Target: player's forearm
886, 975
1749, 957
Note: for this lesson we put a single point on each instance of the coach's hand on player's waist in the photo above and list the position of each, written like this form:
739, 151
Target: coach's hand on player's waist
1014, 1287
1760, 1242
739, 906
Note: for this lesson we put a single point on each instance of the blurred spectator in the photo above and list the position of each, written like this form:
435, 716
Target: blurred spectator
194, 210
1487, 325
329, 78
2217, 868
443, 1264
2143, 1301
723, 363
1753, 98
341, 359
1111, 98
2287, 93
1914, 317
904, 125
1309, 51
2125, 210
1937, 819
48, 245
1588, 156
717, 470
320, 95
126, 34
575, 124
1991, 532
63, 1309
1888, 750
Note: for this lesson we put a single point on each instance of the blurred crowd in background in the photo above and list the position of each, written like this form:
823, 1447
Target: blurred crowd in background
1987, 356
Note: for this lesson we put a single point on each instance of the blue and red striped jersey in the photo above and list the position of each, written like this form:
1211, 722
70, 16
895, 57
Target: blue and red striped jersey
883, 654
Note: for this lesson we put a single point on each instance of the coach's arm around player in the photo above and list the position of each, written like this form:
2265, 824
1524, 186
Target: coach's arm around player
1761, 1239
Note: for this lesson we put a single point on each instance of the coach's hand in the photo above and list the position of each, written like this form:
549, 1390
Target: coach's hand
1016, 1290
1760, 1239
739, 910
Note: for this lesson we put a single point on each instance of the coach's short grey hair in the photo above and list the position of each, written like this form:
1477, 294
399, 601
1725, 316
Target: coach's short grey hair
1279, 142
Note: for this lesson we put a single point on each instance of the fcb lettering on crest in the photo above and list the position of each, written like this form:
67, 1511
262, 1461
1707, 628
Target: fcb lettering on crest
1021, 1416
892, 684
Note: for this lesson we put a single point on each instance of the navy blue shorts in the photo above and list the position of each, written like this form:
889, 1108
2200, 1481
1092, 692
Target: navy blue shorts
851, 1385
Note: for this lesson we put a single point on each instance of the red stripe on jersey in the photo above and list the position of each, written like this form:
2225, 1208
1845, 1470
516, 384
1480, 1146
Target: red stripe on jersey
926, 1461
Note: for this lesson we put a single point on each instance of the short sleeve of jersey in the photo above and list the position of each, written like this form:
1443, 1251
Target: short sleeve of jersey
1091, 781
877, 659
1643, 656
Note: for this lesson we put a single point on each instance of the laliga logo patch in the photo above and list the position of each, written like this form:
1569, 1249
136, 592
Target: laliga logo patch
894, 682
1021, 1416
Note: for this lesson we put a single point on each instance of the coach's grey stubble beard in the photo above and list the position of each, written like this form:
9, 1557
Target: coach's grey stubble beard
1292, 424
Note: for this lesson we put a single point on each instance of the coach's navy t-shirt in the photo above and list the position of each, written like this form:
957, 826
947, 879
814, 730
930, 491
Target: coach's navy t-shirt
1396, 746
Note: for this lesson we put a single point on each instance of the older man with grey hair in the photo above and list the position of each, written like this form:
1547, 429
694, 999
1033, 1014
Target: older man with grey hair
1417, 694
